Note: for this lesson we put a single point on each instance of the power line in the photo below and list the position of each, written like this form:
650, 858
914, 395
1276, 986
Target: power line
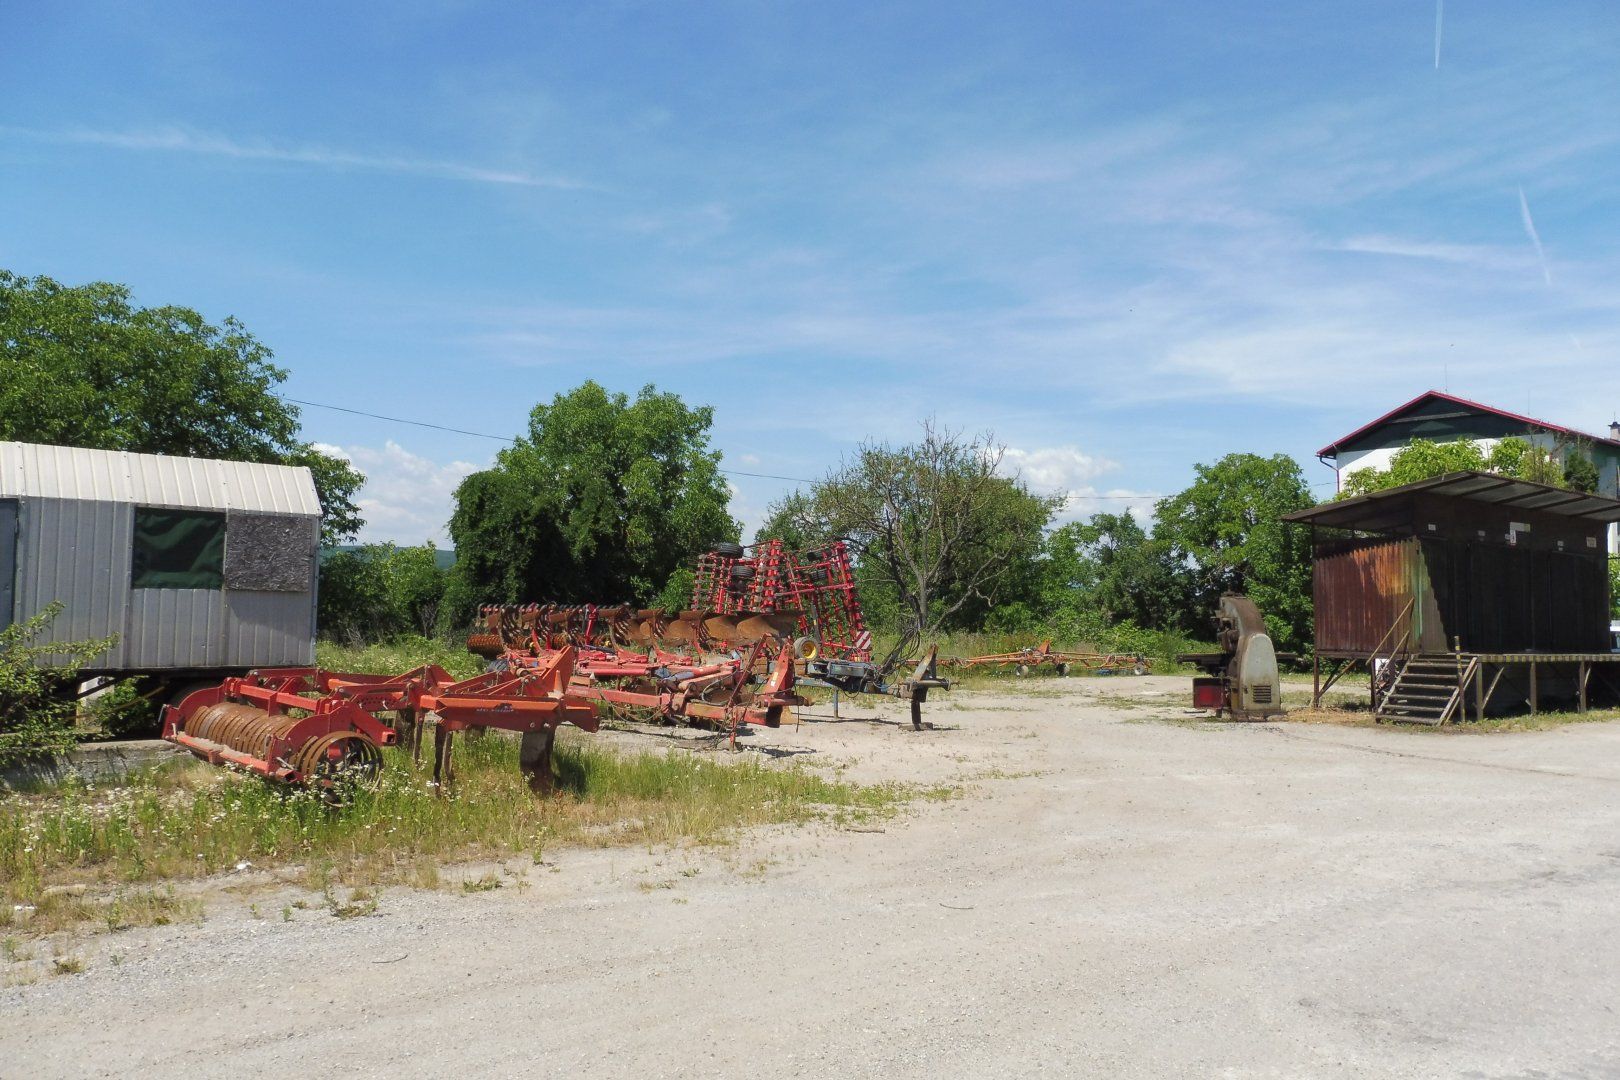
496, 438
1067, 496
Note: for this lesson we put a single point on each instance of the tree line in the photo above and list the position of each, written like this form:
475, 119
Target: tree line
605, 497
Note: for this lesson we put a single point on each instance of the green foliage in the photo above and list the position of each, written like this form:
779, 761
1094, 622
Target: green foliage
36, 712
1580, 474
1225, 533
1422, 459
1567, 465
378, 592
676, 595
932, 520
603, 500
83, 366
1112, 567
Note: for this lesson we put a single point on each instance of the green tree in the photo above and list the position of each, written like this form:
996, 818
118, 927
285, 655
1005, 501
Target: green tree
83, 366
1225, 535
1421, 459
601, 501
378, 592
1567, 464
933, 520
1111, 567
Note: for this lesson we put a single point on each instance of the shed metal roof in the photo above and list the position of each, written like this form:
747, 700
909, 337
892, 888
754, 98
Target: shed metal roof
32, 470
1369, 511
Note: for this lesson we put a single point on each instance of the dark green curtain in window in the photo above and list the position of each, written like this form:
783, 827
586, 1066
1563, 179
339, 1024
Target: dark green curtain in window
178, 549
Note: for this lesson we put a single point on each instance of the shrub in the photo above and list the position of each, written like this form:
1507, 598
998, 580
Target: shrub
36, 706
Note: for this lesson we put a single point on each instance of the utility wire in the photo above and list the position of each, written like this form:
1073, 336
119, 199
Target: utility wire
1069, 495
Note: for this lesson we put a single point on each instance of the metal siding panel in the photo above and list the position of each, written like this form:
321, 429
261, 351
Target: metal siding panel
76, 552
1360, 588
172, 628
8, 561
267, 629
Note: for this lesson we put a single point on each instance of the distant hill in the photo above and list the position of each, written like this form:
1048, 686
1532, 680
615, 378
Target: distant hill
445, 557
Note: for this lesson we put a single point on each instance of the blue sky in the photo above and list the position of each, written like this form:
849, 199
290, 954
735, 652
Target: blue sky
1124, 238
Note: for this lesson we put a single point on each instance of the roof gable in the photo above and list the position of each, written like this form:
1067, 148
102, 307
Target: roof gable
1435, 414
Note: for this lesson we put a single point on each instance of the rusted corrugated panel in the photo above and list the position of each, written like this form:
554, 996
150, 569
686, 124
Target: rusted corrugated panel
1361, 589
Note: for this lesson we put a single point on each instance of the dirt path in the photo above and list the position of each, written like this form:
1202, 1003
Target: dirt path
1116, 896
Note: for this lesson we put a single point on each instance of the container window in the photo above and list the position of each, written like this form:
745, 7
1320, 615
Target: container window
178, 549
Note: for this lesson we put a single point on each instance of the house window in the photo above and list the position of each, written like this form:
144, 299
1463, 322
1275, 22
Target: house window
178, 549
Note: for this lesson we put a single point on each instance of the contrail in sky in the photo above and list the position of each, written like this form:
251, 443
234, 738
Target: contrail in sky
1535, 237
1439, 23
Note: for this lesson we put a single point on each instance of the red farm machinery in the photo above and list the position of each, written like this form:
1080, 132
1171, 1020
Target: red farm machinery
762, 619
323, 729
759, 624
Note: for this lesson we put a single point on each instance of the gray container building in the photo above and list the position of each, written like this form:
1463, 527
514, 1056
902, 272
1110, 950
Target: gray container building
200, 567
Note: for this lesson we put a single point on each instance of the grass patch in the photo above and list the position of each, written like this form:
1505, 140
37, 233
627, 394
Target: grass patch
399, 656
175, 824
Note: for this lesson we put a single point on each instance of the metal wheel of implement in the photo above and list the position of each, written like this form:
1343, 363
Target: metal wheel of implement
1022, 669
727, 550
1139, 668
1062, 670
806, 648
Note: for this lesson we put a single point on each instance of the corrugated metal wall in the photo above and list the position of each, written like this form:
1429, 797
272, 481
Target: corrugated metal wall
78, 552
1494, 598
1360, 588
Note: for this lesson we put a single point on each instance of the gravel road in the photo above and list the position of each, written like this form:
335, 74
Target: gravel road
1115, 895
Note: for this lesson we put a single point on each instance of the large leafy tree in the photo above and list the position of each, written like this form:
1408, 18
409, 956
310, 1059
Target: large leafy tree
603, 500
84, 366
1111, 568
934, 521
1224, 533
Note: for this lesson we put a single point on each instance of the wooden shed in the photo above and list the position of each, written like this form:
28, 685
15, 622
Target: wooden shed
1466, 567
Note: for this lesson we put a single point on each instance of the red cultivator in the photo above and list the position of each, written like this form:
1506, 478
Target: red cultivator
320, 728
745, 686
800, 607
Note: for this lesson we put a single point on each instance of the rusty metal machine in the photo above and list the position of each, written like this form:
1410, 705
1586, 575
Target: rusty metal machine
758, 623
321, 728
1240, 681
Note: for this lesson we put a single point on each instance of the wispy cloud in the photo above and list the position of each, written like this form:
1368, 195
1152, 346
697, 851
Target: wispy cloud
1535, 237
184, 141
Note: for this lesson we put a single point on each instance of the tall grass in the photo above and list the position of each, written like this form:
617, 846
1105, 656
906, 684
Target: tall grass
177, 823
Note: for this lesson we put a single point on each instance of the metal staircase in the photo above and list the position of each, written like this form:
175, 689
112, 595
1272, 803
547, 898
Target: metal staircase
1424, 688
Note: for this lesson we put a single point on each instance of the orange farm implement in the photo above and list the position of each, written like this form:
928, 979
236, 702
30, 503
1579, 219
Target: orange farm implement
323, 728
758, 623
1024, 661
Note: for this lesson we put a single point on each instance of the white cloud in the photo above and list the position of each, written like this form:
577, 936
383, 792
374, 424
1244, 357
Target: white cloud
407, 498
181, 140
1054, 469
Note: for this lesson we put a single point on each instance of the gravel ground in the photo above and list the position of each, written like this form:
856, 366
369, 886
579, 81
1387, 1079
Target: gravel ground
1120, 892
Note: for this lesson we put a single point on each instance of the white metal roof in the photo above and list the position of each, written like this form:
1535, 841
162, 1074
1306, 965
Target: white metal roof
30, 470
